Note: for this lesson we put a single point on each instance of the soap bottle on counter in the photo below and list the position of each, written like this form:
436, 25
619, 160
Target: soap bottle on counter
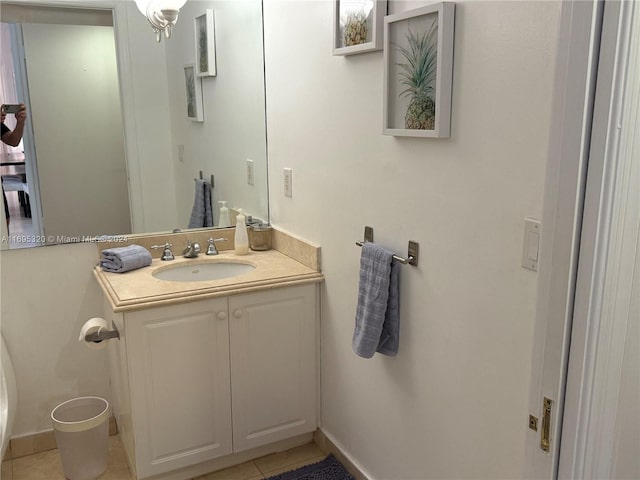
241, 241
224, 214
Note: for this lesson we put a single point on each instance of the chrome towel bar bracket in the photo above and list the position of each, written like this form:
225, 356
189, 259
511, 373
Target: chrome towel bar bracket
413, 253
212, 179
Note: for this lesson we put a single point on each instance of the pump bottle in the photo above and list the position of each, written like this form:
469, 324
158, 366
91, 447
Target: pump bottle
241, 241
224, 214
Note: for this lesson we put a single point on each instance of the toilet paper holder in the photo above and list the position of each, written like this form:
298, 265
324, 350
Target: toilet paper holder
98, 337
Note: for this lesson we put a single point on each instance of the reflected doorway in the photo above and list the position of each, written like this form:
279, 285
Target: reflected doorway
71, 88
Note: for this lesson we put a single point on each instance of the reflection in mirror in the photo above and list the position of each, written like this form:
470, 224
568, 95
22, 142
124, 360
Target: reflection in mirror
163, 151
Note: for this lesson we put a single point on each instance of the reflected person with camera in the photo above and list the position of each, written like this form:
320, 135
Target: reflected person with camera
12, 137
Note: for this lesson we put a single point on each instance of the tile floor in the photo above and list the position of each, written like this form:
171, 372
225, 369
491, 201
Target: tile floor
20, 228
47, 466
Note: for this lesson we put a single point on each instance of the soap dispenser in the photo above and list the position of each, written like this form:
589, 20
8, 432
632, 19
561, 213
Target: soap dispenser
224, 214
241, 241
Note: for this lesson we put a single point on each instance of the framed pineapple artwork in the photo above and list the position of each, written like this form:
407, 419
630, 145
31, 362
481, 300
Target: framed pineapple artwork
418, 67
204, 28
357, 26
193, 86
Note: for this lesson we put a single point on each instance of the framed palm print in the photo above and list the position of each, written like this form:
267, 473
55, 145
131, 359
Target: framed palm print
418, 69
193, 86
204, 27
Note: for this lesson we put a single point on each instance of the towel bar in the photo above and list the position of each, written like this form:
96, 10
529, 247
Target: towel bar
201, 177
412, 257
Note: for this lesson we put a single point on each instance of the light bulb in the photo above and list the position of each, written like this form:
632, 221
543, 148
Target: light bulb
171, 4
142, 6
162, 14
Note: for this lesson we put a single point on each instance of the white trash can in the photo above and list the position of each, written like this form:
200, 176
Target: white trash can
81, 428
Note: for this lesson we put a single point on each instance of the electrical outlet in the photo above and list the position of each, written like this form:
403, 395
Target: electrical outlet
181, 153
250, 175
288, 179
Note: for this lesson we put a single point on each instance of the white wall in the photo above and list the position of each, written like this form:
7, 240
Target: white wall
453, 403
47, 294
145, 102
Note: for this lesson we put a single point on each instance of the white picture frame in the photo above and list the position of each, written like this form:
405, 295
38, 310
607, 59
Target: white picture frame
408, 110
352, 19
193, 89
205, 43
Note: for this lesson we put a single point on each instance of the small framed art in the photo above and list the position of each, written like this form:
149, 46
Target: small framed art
357, 26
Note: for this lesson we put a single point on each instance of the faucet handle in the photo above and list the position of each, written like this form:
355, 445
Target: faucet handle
167, 254
211, 249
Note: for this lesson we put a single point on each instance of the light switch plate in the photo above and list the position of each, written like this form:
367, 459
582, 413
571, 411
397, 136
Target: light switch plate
250, 172
531, 244
288, 179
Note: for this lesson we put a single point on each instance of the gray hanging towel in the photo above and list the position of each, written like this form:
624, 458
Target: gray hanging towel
377, 326
201, 214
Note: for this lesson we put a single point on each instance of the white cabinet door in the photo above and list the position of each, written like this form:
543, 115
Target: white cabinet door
180, 387
273, 365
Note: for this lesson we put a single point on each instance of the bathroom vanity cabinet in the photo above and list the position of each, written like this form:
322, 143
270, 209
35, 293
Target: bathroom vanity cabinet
205, 379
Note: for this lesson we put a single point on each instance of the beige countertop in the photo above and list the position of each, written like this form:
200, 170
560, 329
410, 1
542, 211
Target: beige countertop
138, 289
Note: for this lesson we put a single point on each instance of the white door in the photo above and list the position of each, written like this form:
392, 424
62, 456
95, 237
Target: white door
592, 59
274, 365
72, 77
180, 386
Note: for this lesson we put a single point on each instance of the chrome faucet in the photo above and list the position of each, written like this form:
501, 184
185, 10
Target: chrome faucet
167, 254
192, 250
211, 249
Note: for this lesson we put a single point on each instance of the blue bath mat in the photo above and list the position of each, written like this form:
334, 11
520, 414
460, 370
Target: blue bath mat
327, 469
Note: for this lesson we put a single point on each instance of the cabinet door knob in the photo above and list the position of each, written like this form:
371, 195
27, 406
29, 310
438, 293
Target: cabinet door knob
237, 313
222, 315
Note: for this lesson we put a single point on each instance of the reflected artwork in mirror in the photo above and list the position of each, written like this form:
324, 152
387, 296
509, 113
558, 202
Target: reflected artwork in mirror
117, 154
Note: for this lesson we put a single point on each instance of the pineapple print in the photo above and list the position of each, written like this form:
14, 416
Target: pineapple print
355, 30
418, 75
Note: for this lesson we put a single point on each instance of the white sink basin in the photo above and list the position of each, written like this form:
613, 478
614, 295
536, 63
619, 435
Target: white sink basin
200, 272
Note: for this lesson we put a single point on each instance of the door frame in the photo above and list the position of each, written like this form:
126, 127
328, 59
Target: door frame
31, 157
608, 247
565, 180
576, 224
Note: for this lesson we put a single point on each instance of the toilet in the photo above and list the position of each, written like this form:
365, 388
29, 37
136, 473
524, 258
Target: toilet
8, 397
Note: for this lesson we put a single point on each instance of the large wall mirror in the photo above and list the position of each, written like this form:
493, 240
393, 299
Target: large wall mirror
110, 148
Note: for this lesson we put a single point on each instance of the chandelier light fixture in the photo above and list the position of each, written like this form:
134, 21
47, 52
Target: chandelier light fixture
162, 14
